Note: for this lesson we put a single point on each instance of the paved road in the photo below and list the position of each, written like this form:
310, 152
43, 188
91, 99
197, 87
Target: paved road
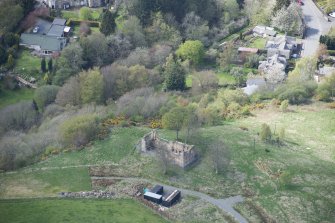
224, 204
316, 26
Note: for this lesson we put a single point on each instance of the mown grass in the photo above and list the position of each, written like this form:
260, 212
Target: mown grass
28, 64
258, 43
75, 14
65, 210
189, 81
44, 182
8, 97
226, 79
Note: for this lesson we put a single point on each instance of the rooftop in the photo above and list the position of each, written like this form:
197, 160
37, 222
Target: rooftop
281, 42
248, 50
50, 43
56, 30
265, 30
58, 21
150, 194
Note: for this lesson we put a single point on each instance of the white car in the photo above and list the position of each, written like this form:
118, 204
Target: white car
35, 30
332, 14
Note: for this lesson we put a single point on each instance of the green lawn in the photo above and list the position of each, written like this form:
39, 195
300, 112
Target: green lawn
65, 210
75, 14
44, 182
226, 79
258, 43
28, 64
189, 81
8, 97
70, 14
119, 145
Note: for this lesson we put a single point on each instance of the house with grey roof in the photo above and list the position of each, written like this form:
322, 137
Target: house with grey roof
253, 84
281, 45
46, 38
264, 31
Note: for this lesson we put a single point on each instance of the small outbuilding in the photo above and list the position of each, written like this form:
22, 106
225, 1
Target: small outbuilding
158, 189
171, 198
264, 31
156, 198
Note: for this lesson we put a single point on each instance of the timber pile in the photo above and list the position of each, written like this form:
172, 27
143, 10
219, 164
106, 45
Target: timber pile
24, 82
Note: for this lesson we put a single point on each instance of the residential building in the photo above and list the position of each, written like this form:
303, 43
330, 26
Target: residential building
281, 45
253, 84
46, 38
245, 52
264, 31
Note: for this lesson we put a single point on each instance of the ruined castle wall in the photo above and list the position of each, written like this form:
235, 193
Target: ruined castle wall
178, 153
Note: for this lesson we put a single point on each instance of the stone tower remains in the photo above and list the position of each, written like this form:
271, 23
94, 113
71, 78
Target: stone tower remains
178, 153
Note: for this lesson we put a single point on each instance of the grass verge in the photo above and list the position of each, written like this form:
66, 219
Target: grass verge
65, 210
8, 97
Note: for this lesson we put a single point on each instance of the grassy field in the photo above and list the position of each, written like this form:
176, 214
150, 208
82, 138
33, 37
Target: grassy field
8, 97
258, 43
28, 64
189, 81
75, 14
64, 210
225, 79
45, 183
294, 182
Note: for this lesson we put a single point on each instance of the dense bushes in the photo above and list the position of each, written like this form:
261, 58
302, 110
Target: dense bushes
87, 87
119, 79
329, 41
326, 90
296, 92
20, 116
45, 95
142, 102
78, 131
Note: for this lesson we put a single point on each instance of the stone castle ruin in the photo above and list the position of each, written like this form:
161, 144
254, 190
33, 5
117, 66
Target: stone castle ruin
177, 153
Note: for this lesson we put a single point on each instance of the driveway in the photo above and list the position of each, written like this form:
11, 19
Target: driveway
316, 26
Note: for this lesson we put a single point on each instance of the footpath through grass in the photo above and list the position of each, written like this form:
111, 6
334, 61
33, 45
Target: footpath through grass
65, 210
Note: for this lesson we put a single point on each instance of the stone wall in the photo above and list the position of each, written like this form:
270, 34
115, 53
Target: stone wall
178, 153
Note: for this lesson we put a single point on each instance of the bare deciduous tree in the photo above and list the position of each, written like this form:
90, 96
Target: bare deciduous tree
220, 156
203, 81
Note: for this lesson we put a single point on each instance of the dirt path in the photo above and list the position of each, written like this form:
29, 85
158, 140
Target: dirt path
224, 204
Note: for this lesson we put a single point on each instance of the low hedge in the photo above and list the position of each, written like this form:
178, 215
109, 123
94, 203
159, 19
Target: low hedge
76, 22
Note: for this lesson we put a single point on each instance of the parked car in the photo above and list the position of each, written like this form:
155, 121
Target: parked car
332, 14
35, 30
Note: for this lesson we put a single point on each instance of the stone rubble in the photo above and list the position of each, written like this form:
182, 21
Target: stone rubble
88, 194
